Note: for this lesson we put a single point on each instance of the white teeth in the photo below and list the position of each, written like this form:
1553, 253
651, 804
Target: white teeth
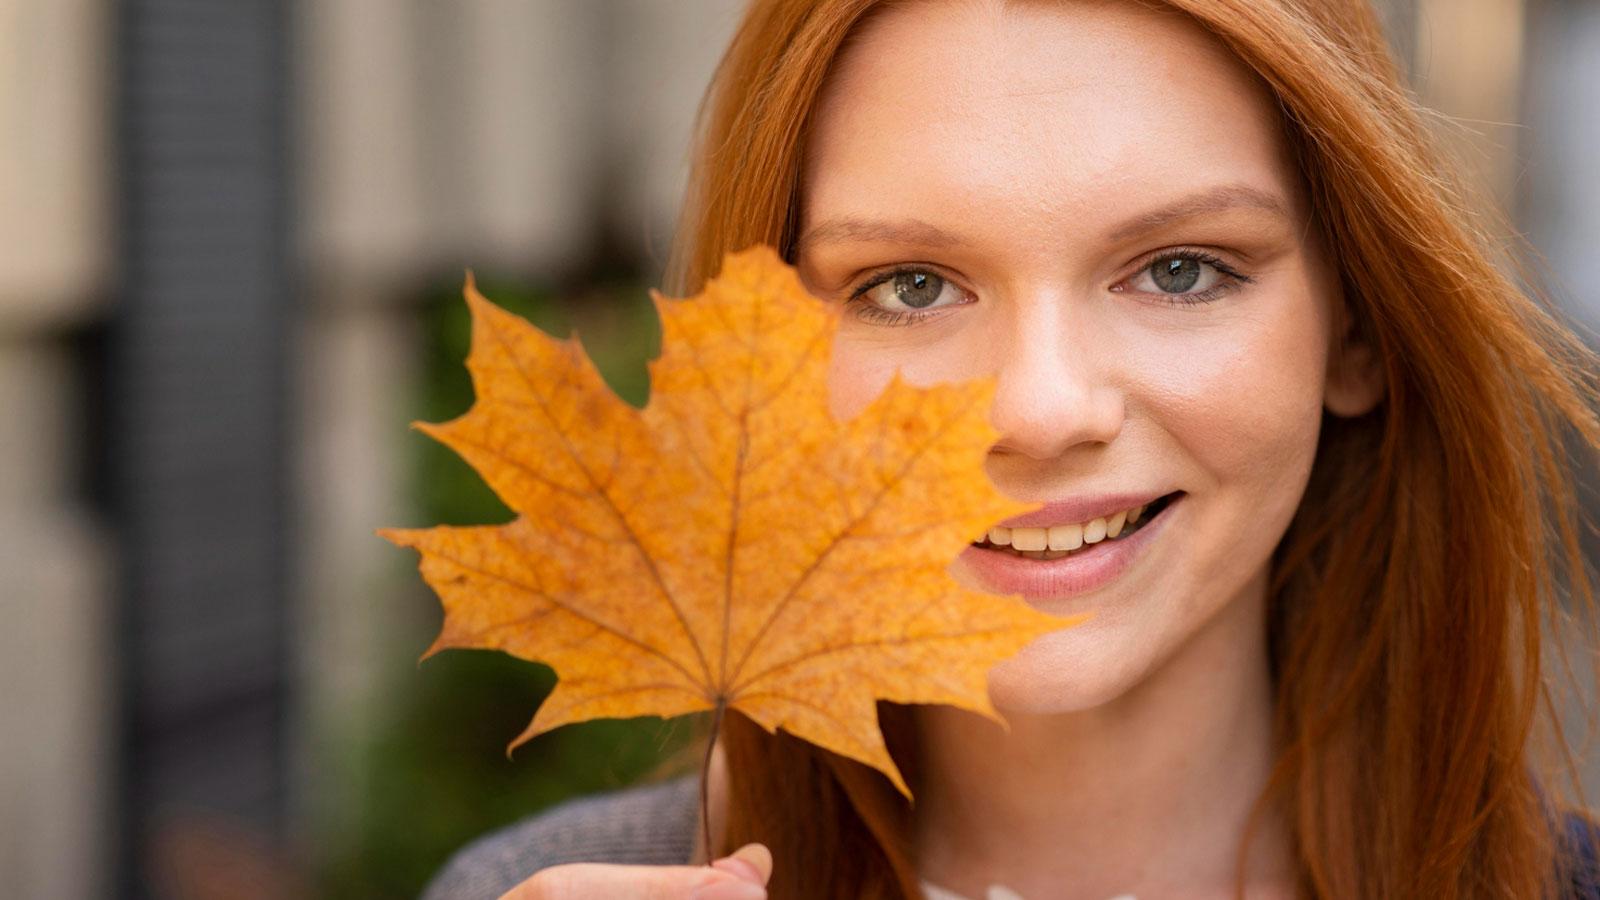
1094, 531
1057, 540
1028, 538
1065, 537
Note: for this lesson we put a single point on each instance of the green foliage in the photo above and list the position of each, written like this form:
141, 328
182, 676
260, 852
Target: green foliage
437, 776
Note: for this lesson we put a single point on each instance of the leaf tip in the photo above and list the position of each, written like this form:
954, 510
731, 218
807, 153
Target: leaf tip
476, 301
400, 537
433, 649
433, 430
532, 731
1042, 623
900, 784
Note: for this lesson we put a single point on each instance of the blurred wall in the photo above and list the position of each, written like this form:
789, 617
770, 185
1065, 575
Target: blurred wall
56, 725
1560, 196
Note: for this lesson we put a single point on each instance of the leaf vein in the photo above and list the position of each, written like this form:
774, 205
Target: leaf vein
627, 527
804, 576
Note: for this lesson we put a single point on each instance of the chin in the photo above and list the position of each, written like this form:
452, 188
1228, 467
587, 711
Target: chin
1069, 671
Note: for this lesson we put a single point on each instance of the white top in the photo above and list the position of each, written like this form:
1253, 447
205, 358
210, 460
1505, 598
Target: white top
995, 892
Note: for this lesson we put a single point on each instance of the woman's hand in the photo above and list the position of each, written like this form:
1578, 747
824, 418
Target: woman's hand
741, 876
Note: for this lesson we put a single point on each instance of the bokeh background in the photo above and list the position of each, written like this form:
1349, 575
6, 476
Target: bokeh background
232, 239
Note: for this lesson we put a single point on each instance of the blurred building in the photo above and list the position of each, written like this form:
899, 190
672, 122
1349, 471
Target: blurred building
214, 218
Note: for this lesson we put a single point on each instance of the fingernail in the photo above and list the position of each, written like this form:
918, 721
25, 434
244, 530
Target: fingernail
740, 867
729, 890
752, 862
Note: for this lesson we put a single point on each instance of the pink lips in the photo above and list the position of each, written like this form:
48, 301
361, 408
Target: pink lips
1003, 572
1081, 509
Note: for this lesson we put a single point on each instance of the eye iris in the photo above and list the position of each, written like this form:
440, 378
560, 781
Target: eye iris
917, 289
1176, 275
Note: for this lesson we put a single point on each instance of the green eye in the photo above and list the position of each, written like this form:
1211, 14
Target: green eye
905, 295
1187, 276
1175, 275
917, 289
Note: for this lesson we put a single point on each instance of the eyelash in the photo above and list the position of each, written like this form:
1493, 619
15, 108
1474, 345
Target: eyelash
870, 312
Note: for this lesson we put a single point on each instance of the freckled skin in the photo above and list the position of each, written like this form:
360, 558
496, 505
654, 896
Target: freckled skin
1030, 136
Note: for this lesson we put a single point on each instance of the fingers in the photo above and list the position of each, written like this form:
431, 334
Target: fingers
739, 876
752, 862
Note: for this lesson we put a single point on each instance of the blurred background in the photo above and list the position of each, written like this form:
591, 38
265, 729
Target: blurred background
232, 239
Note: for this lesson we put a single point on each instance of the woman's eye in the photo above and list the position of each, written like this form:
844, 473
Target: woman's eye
1187, 277
904, 295
916, 289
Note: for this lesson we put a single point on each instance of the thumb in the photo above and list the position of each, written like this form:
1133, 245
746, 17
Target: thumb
752, 862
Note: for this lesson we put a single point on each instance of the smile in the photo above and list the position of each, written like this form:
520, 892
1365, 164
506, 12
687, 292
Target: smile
1058, 561
1058, 541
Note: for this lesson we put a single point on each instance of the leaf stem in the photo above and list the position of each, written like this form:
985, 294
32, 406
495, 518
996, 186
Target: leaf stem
705, 776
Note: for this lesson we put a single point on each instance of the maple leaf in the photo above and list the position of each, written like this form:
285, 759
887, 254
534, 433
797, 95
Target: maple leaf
731, 545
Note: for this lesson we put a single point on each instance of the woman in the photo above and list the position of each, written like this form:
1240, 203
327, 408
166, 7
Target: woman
1221, 279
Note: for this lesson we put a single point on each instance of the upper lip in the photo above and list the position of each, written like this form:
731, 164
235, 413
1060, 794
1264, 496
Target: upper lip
1081, 509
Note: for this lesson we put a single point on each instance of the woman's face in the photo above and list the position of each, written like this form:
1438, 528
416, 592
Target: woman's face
1093, 203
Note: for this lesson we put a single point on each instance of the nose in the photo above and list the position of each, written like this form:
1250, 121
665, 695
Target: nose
1053, 393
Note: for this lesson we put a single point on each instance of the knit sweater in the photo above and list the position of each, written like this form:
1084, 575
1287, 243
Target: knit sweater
655, 825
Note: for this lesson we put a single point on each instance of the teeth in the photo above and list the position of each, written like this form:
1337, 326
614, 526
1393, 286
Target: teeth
1028, 538
1059, 540
1065, 537
1094, 531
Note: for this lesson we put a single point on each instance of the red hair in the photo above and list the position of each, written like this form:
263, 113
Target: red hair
1405, 614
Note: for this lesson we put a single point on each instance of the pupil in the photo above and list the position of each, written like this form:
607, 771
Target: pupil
1176, 276
917, 289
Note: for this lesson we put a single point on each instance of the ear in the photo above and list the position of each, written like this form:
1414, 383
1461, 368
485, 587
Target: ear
1355, 381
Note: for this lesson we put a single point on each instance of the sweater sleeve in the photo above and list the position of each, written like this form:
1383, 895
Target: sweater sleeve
649, 825
1581, 854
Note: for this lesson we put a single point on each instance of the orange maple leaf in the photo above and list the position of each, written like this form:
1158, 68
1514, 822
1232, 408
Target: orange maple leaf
731, 545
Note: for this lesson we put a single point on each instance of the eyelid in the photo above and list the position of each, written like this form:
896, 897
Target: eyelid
1201, 254
1230, 280
868, 311
873, 278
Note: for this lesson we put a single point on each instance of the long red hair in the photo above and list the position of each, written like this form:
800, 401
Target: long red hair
1436, 539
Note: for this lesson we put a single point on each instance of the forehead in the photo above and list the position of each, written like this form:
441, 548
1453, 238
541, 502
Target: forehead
1031, 115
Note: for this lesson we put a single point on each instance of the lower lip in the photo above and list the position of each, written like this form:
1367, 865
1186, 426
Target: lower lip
1003, 572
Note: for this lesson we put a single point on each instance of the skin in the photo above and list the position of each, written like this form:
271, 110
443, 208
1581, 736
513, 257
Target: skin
1030, 136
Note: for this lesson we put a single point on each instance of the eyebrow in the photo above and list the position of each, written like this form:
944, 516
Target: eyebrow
915, 231
908, 231
1217, 199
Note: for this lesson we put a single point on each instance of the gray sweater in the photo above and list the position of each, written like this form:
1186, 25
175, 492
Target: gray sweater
648, 825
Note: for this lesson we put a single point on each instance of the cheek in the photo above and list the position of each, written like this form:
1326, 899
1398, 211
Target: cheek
1242, 400
855, 377
1240, 405
865, 357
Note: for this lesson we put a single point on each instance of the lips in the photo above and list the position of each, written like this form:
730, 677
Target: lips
1076, 572
1083, 509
